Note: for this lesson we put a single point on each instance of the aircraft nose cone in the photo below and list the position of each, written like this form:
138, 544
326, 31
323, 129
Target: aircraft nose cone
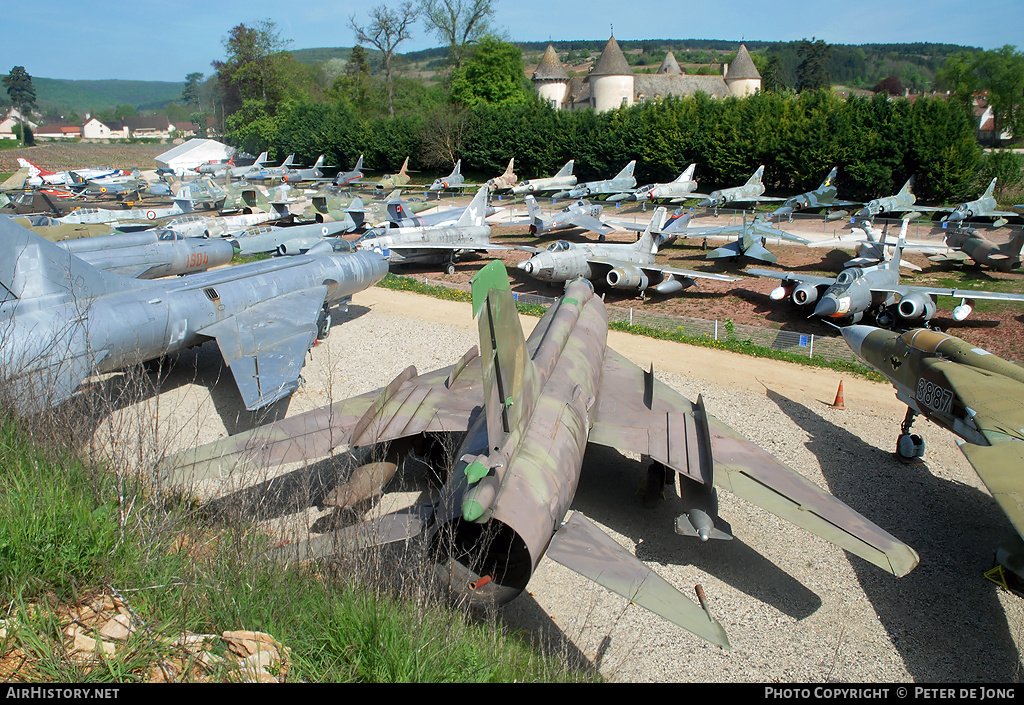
526, 266
855, 335
828, 306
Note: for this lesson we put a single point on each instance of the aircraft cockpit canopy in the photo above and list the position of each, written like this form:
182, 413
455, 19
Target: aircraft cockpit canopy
558, 246
848, 276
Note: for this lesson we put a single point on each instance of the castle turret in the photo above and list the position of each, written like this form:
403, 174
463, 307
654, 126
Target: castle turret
741, 76
550, 79
611, 80
669, 66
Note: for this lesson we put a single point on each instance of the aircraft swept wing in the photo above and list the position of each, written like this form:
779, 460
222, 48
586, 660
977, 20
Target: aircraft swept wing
529, 407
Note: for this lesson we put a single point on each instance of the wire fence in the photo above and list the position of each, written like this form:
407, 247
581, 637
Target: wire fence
807, 344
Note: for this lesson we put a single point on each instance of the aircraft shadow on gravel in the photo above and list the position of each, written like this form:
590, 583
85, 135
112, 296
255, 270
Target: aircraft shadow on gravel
952, 526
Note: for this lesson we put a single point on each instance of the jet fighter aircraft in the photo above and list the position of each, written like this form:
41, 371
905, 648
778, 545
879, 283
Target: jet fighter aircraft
578, 214
874, 290
438, 243
749, 242
984, 207
620, 183
681, 189
750, 192
504, 181
347, 178
903, 202
822, 197
390, 182
63, 319
452, 181
970, 244
292, 240
166, 253
966, 390
620, 265
561, 180
529, 407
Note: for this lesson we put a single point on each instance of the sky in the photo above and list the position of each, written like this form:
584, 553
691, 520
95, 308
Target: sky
151, 41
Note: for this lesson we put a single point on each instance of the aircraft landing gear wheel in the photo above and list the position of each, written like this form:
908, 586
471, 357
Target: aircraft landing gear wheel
601, 238
450, 269
909, 447
885, 320
323, 324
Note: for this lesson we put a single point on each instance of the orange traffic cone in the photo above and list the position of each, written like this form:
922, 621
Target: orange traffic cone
838, 403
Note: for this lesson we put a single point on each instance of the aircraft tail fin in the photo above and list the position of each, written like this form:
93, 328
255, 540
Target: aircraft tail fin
33, 170
320, 162
567, 169
260, 160
627, 171
908, 187
457, 171
830, 178
687, 175
897, 254
476, 212
288, 161
31, 267
536, 216
185, 200
509, 374
647, 241
990, 191
508, 169
405, 166
358, 166
756, 177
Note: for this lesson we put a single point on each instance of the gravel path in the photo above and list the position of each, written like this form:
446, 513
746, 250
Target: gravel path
795, 607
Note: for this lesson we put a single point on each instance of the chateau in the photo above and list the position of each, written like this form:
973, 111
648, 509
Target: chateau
612, 83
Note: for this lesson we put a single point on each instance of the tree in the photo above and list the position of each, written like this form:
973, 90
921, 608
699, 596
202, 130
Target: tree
191, 96
254, 67
493, 75
458, 23
1000, 73
387, 29
772, 78
890, 85
21, 92
812, 73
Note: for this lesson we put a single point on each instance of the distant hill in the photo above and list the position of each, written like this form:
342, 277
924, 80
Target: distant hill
85, 96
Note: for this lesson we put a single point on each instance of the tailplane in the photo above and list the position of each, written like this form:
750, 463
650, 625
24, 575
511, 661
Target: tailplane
509, 374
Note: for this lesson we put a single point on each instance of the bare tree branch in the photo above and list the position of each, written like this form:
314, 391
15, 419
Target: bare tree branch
387, 29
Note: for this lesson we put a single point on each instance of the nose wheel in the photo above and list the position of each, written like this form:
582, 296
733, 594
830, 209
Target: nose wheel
909, 447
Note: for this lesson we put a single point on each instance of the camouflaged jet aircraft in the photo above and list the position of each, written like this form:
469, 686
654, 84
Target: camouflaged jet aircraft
392, 181
876, 291
562, 180
528, 408
504, 181
903, 202
969, 244
822, 197
620, 183
966, 390
61, 319
621, 265
750, 192
675, 191
984, 207
578, 214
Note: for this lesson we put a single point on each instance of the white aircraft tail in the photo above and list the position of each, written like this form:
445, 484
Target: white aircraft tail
990, 191
457, 171
536, 215
627, 172
907, 187
567, 169
647, 242
184, 200
260, 159
476, 212
33, 170
687, 175
897, 254
756, 178
320, 162
358, 166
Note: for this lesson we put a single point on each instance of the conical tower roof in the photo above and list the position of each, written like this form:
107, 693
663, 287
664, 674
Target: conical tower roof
742, 66
612, 61
550, 68
670, 65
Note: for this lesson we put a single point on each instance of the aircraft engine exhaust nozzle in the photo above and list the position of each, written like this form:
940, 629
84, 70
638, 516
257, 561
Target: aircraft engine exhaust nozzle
806, 294
483, 564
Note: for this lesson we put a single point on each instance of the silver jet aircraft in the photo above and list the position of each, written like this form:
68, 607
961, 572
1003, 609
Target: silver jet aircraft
620, 183
902, 202
347, 178
435, 244
749, 243
562, 180
295, 175
578, 214
621, 266
183, 203
63, 319
452, 181
167, 253
750, 192
675, 191
292, 240
240, 172
984, 207
272, 173
874, 291
527, 409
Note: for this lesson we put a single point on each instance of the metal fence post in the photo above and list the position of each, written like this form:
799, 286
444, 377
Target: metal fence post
811, 353
716, 330
630, 318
